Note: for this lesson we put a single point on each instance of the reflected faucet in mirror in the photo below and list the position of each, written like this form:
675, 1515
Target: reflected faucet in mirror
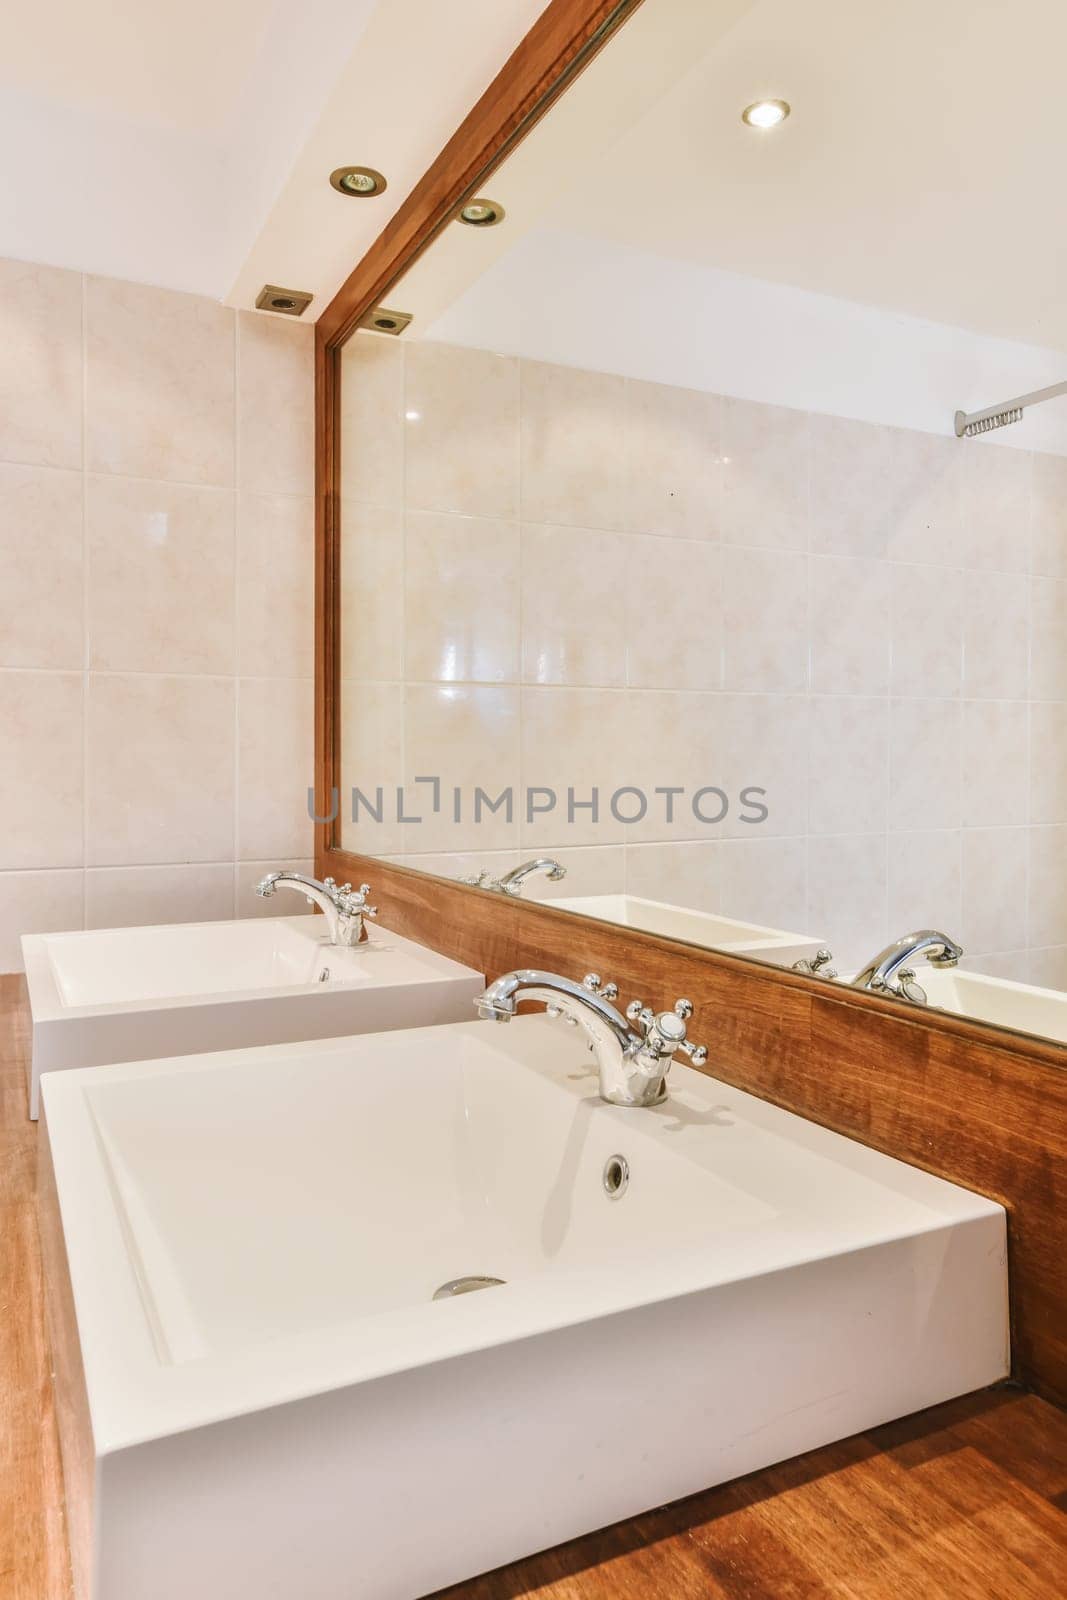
512, 882
632, 1064
343, 907
891, 973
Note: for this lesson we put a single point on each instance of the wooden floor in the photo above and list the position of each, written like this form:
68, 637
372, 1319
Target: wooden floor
964, 1502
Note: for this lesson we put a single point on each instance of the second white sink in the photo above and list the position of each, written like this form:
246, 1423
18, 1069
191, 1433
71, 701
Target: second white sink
132, 994
695, 927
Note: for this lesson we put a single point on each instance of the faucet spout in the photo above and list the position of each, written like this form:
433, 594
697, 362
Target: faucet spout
632, 1066
512, 882
890, 971
343, 908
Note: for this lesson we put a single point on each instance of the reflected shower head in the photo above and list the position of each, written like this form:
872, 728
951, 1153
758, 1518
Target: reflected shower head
1000, 419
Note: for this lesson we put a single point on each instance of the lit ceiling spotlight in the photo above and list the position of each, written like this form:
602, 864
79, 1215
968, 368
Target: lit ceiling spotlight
765, 113
360, 183
482, 213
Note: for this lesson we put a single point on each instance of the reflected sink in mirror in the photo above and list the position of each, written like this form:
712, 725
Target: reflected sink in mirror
999, 1000
243, 1252
125, 994
695, 927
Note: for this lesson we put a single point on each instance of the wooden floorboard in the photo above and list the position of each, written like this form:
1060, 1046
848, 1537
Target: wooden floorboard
964, 1502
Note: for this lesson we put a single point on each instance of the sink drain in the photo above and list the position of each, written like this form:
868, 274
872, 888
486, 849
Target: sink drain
616, 1176
454, 1286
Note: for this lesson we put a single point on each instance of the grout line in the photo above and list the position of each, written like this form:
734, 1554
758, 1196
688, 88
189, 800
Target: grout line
235, 845
86, 625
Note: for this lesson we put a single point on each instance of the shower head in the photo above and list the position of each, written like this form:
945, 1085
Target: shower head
969, 424
969, 428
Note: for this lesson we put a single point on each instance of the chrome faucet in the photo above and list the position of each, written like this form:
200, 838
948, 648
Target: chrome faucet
633, 1066
343, 907
512, 882
891, 972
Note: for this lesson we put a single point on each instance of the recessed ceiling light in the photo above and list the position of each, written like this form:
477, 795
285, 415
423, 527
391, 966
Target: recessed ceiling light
288, 302
765, 113
482, 213
358, 182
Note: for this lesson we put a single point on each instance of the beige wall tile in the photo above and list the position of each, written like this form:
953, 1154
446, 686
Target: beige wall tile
1048, 639
995, 743
462, 431
160, 576
461, 598
679, 581
41, 369
675, 740
1047, 968
675, 473
996, 635
1048, 887
848, 764
574, 595
994, 889
372, 592
275, 585
275, 767
765, 620
1011, 964
850, 625
372, 420
576, 739
467, 736
159, 384
160, 769
927, 631
372, 759
925, 499
576, 448
924, 882
765, 881
764, 742
848, 895
1048, 762
36, 902
275, 405
131, 897
41, 725
924, 764
995, 507
41, 623
766, 475
687, 873
1048, 550
853, 475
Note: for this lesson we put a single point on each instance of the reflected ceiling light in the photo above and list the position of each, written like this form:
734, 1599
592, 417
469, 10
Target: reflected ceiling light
360, 182
482, 213
413, 416
765, 113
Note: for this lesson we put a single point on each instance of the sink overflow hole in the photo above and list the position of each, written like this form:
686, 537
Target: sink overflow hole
616, 1176
455, 1286
324, 975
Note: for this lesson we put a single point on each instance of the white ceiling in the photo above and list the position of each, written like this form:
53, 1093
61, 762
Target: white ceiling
922, 169
158, 141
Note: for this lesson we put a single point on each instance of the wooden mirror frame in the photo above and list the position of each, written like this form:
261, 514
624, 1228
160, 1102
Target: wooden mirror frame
981, 1106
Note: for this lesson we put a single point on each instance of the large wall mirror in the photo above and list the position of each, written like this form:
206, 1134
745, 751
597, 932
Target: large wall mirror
660, 558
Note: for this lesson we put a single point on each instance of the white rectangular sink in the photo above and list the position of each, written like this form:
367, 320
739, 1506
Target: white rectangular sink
998, 1000
259, 1395
129, 994
695, 927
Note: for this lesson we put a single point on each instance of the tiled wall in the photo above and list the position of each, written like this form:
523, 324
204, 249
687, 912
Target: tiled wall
156, 608
603, 580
